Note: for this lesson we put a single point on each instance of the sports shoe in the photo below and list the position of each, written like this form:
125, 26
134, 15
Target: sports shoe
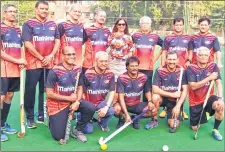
31, 124
3, 137
216, 135
78, 135
152, 124
7, 129
172, 130
207, 116
185, 116
40, 119
135, 124
120, 123
163, 113
105, 129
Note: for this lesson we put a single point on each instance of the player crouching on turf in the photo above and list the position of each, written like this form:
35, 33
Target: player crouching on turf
99, 82
199, 76
130, 86
166, 91
61, 99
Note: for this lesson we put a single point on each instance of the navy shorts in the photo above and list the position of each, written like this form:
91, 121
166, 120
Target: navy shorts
138, 108
169, 105
10, 85
195, 111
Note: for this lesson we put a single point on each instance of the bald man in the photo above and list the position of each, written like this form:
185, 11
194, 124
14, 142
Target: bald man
61, 98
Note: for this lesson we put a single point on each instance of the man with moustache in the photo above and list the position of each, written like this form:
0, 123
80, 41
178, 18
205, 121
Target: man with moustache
11, 62
41, 39
97, 39
72, 33
130, 86
165, 91
61, 99
99, 82
179, 42
199, 76
206, 39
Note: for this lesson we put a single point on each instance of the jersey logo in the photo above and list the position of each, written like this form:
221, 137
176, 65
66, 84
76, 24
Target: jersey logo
140, 85
106, 34
185, 41
81, 30
151, 40
52, 28
207, 42
106, 81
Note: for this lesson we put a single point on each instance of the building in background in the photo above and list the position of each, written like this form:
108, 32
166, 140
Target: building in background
58, 10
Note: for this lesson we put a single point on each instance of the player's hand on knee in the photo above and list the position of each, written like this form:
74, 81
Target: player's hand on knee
102, 112
151, 106
175, 111
219, 105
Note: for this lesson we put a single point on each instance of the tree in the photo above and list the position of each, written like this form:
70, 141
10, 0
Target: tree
25, 9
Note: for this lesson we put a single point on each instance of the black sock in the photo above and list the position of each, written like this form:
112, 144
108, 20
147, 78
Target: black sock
5, 112
2, 118
217, 124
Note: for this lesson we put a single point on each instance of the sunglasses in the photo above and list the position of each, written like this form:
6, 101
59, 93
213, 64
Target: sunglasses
123, 24
70, 54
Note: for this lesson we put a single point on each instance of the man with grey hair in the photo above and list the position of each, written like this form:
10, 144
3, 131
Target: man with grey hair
72, 33
199, 76
99, 82
145, 42
11, 62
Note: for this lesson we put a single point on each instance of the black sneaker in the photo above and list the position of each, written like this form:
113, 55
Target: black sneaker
40, 119
31, 124
135, 124
120, 123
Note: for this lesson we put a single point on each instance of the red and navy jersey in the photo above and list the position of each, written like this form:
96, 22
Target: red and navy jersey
97, 41
169, 81
42, 35
209, 40
145, 46
196, 74
178, 43
132, 88
72, 35
63, 82
11, 44
97, 85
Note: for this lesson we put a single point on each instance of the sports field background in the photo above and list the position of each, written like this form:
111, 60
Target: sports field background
128, 140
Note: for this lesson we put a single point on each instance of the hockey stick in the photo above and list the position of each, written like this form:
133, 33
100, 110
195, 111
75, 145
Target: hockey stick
179, 88
21, 134
103, 141
46, 117
70, 117
204, 104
